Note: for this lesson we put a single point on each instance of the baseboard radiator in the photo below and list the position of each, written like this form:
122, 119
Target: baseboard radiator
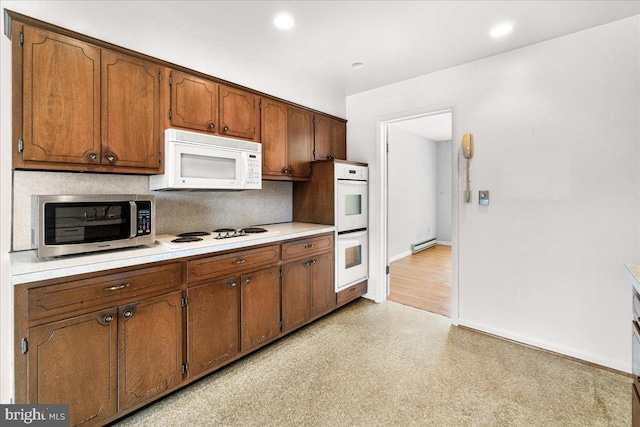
421, 246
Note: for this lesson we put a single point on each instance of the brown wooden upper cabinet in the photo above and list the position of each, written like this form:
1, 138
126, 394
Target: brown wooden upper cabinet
204, 105
330, 138
194, 102
83, 107
287, 141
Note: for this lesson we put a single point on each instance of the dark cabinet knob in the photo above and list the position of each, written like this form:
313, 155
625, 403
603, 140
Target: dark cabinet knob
93, 156
211, 125
225, 128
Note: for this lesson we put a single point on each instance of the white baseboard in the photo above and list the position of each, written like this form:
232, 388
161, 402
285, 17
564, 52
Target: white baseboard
618, 365
399, 256
443, 243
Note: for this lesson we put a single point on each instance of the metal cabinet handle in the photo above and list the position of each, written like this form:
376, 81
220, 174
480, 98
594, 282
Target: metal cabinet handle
127, 314
211, 125
108, 318
93, 156
225, 128
115, 288
240, 261
248, 280
231, 284
308, 246
111, 158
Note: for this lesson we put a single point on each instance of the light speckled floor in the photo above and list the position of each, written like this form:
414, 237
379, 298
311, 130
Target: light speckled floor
391, 365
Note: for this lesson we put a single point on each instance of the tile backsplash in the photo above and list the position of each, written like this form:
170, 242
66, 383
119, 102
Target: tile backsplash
176, 211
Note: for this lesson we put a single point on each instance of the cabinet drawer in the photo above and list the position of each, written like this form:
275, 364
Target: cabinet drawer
67, 297
352, 292
229, 264
304, 247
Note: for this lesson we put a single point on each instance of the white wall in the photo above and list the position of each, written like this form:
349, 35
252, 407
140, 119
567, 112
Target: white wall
557, 131
136, 28
444, 209
412, 190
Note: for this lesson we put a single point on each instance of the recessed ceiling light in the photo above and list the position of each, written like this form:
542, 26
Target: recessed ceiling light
501, 29
284, 21
357, 64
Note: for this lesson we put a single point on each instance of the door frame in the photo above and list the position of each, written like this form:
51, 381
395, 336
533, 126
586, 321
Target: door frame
381, 160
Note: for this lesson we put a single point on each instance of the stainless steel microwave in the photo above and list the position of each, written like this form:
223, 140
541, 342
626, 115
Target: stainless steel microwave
72, 224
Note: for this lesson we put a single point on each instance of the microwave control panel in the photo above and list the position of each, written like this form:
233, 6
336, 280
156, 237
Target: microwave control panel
144, 217
254, 171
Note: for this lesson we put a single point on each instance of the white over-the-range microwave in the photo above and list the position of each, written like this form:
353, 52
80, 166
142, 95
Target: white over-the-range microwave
197, 161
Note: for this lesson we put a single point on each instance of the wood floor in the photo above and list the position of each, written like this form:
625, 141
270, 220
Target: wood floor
423, 280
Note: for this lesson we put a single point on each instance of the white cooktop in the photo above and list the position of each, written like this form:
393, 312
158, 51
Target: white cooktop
207, 241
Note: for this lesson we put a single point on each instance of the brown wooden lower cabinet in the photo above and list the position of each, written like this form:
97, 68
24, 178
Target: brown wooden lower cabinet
74, 362
295, 295
150, 359
260, 307
123, 343
352, 292
134, 350
322, 285
213, 325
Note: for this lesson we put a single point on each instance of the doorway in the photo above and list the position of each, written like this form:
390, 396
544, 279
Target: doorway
420, 210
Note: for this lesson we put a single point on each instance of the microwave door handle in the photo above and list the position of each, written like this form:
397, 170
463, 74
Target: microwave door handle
133, 230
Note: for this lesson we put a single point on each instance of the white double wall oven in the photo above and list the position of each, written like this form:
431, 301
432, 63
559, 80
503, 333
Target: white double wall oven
352, 224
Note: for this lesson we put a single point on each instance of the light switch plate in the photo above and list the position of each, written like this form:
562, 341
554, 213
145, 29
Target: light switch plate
483, 197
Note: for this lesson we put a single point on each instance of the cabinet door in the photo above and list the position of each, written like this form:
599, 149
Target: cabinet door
239, 113
295, 294
323, 294
130, 112
338, 140
329, 138
273, 123
194, 102
150, 348
260, 297
75, 362
213, 324
61, 99
321, 137
299, 141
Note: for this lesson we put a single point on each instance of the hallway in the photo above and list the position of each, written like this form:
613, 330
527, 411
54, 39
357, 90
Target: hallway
423, 280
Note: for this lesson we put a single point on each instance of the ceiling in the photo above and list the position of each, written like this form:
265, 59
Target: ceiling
396, 40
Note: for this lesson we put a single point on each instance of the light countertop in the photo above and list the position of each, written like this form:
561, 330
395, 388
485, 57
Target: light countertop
26, 267
633, 271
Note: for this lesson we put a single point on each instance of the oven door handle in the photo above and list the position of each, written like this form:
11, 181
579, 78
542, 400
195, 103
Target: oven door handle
353, 234
352, 181
133, 230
